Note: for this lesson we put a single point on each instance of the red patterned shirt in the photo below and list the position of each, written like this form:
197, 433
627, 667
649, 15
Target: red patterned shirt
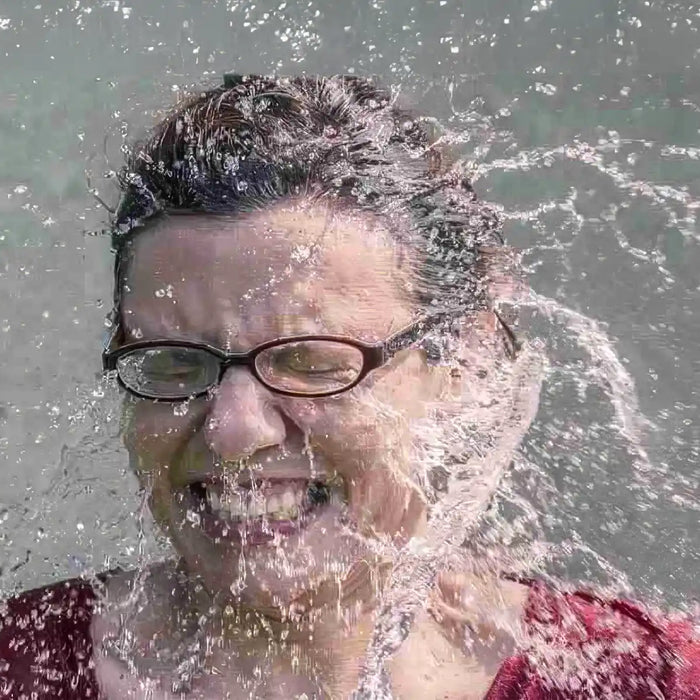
583, 647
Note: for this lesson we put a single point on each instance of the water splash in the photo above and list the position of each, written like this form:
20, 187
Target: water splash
605, 370
308, 451
461, 512
456, 515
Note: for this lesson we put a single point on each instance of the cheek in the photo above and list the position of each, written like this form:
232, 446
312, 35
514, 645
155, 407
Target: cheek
154, 434
352, 431
369, 444
371, 425
368, 436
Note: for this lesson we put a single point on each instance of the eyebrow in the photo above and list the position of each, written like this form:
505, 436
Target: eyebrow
222, 338
207, 338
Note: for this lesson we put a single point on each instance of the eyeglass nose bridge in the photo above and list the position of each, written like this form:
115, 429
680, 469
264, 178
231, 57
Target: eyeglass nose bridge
243, 360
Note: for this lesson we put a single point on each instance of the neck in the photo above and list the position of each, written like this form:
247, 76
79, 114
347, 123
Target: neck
318, 644
323, 633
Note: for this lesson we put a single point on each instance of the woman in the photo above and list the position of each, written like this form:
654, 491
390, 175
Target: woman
317, 387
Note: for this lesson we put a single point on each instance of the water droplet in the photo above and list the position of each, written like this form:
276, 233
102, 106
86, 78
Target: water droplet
181, 409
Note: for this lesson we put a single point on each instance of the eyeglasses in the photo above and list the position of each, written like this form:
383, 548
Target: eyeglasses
305, 365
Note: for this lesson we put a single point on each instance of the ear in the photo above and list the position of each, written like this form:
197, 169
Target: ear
483, 340
501, 271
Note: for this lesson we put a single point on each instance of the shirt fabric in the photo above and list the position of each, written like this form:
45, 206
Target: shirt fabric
594, 649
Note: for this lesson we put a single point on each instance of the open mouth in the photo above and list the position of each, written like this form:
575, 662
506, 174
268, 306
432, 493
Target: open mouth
259, 512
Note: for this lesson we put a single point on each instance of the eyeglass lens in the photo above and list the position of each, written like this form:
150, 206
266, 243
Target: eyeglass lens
310, 366
168, 372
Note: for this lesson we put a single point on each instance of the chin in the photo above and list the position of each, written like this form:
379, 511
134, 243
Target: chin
260, 561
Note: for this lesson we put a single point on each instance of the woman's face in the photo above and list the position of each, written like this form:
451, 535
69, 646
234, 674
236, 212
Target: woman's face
230, 473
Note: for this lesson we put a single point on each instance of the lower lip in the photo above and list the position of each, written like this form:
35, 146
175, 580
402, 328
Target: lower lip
253, 532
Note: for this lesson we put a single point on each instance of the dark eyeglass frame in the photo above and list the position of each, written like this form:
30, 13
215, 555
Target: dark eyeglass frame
374, 355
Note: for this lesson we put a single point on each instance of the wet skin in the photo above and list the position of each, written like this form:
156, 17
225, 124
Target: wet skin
298, 267
235, 283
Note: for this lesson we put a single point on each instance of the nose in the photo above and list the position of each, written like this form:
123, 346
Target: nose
242, 419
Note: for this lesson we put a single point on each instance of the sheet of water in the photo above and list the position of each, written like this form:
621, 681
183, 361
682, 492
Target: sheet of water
581, 121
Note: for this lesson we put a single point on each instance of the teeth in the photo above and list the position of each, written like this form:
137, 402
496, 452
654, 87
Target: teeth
214, 501
244, 504
336, 497
285, 514
273, 504
256, 507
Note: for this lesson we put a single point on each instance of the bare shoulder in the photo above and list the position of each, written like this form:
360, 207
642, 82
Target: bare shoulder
458, 643
477, 601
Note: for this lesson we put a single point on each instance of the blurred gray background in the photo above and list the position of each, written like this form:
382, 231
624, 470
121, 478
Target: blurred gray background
582, 123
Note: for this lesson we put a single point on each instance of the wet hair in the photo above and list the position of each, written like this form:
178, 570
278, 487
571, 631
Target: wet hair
256, 140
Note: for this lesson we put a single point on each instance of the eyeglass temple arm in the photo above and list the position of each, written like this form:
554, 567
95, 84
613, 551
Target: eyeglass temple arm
110, 338
514, 343
113, 330
405, 337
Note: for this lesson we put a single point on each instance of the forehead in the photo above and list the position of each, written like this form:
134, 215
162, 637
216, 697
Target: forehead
291, 269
